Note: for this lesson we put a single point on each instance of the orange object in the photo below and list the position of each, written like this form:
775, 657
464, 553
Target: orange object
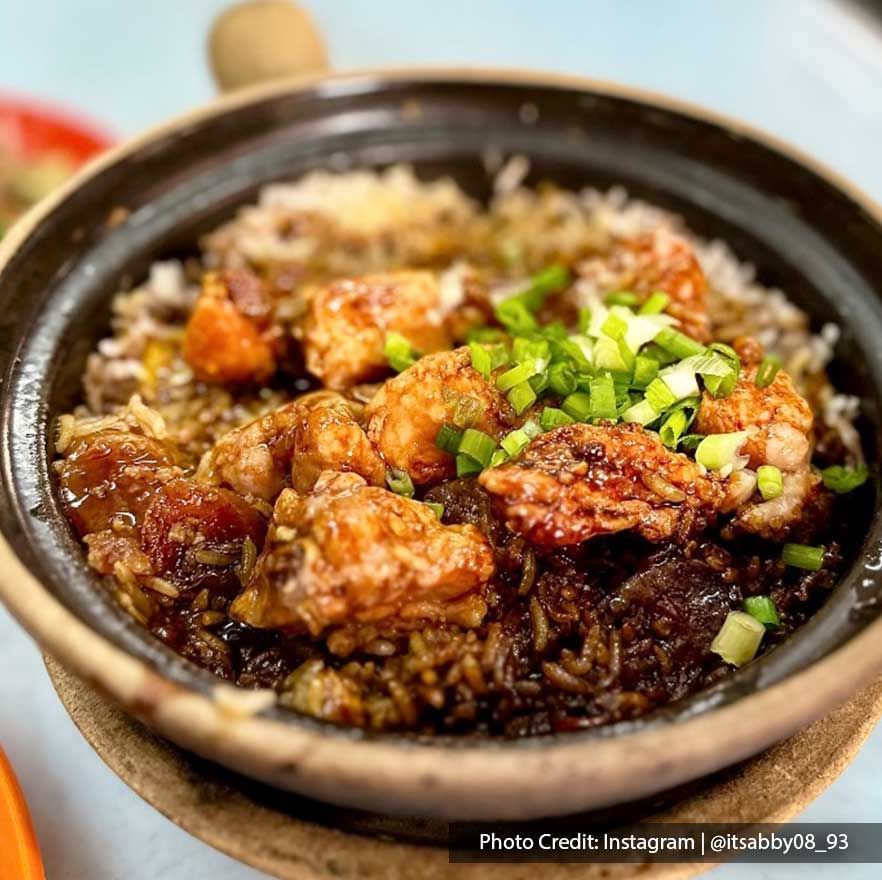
19, 852
29, 127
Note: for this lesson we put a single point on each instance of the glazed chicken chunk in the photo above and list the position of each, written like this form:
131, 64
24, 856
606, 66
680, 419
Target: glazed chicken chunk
228, 339
656, 261
408, 411
579, 481
295, 442
344, 330
353, 553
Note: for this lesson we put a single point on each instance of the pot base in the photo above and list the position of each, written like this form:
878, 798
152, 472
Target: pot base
294, 838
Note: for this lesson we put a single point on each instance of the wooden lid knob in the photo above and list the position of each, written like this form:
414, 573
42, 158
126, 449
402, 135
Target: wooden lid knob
262, 40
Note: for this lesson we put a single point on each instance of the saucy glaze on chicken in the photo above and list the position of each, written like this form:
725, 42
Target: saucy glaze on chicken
420, 465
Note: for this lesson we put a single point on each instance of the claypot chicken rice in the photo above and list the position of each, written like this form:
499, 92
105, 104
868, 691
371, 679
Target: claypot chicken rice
413, 463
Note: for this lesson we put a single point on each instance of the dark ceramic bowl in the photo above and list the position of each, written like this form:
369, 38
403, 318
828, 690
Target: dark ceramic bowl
806, 231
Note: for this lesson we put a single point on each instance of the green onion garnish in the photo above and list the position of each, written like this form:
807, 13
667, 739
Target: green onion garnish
486, 334
500, 456
803, 556
642, 413
577, 405
767, 371
514, 376
399, 352
399, 482
515, 316
645, 370
498, 355
659, 395
677, 343
615, 326
657, 353
738, 639
435, 507
515, 442
621, 298
480, 359
769, 481
656, 304
466, 466
672, 427
718, 451
561, 379
477, 445
608, 355
844, 479
448, 439
691, 441
531, 428
603, 397
521, 397
552, 417
762, 609
549, 280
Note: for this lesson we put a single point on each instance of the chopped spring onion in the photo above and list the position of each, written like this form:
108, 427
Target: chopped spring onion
645, 370
763, 609
767, 371
769, 481
677, 343
477, 445
514, 376
576, 349
672, 428
659, 395
680, 380
615, 326
498, 355
603, 397
577, 405
466, 409
399, 482
656, 304
515, 442
531, 428
607, 355
657, 353
466, 466
803, 556
721, 386
738, 639
448, 439
486, 334
642, 412
725, 351
584, 321
399, 352
561, 379
553, 418
718, 451
691, 441
621, 298
844, 479
549, 280
500, 456
531, 351
480, 359
515, 316
521, 396
539, 382
435, 507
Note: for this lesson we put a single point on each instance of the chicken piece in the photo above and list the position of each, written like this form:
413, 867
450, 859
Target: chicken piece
316, 432
193, 534
579, 481
408, 411
778, 420
228, 339
793, 510
658, 260
346, 323
110, 477
353, 553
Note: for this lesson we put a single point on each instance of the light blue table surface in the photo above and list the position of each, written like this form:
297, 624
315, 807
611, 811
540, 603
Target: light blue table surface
808, 70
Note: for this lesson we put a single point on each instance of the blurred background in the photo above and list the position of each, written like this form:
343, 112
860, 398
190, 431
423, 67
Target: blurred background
809, 71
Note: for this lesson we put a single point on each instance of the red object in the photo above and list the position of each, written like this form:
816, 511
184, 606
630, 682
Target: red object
29, 127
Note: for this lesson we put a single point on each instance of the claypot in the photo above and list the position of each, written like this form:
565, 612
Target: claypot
807, 231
